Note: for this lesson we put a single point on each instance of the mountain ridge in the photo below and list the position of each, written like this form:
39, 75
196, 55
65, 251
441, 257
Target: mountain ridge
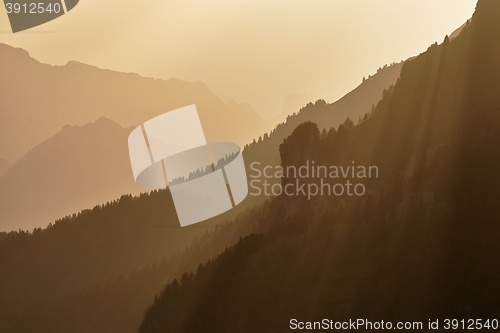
78, 168
78, 93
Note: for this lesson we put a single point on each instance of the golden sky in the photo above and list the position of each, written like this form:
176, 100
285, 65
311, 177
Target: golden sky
253, 51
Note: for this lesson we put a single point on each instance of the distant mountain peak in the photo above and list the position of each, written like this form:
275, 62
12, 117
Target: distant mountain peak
8, 48
106, 121
11, 54
76, 63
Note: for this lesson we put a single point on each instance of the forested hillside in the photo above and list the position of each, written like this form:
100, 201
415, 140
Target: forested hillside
88, 248
114, 303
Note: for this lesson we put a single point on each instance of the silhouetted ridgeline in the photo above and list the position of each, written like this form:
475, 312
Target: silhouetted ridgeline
423, 244
117, 303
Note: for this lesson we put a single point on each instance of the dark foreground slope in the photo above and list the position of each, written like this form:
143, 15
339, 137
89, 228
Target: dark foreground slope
421, 244
117, 303
87, 249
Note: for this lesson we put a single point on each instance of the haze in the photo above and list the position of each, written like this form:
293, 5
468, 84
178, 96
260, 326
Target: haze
254, 51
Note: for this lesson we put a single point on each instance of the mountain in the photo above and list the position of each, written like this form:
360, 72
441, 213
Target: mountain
421, 244
37, 100
78, 168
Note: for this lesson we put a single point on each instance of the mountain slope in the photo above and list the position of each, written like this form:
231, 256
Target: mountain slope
37, 100
117, 304
353, 105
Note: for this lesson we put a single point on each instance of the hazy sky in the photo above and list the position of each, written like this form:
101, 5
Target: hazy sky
254, 51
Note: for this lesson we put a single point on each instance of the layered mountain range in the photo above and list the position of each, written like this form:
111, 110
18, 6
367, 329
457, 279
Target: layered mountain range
85, 165
81, 161
420, 244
